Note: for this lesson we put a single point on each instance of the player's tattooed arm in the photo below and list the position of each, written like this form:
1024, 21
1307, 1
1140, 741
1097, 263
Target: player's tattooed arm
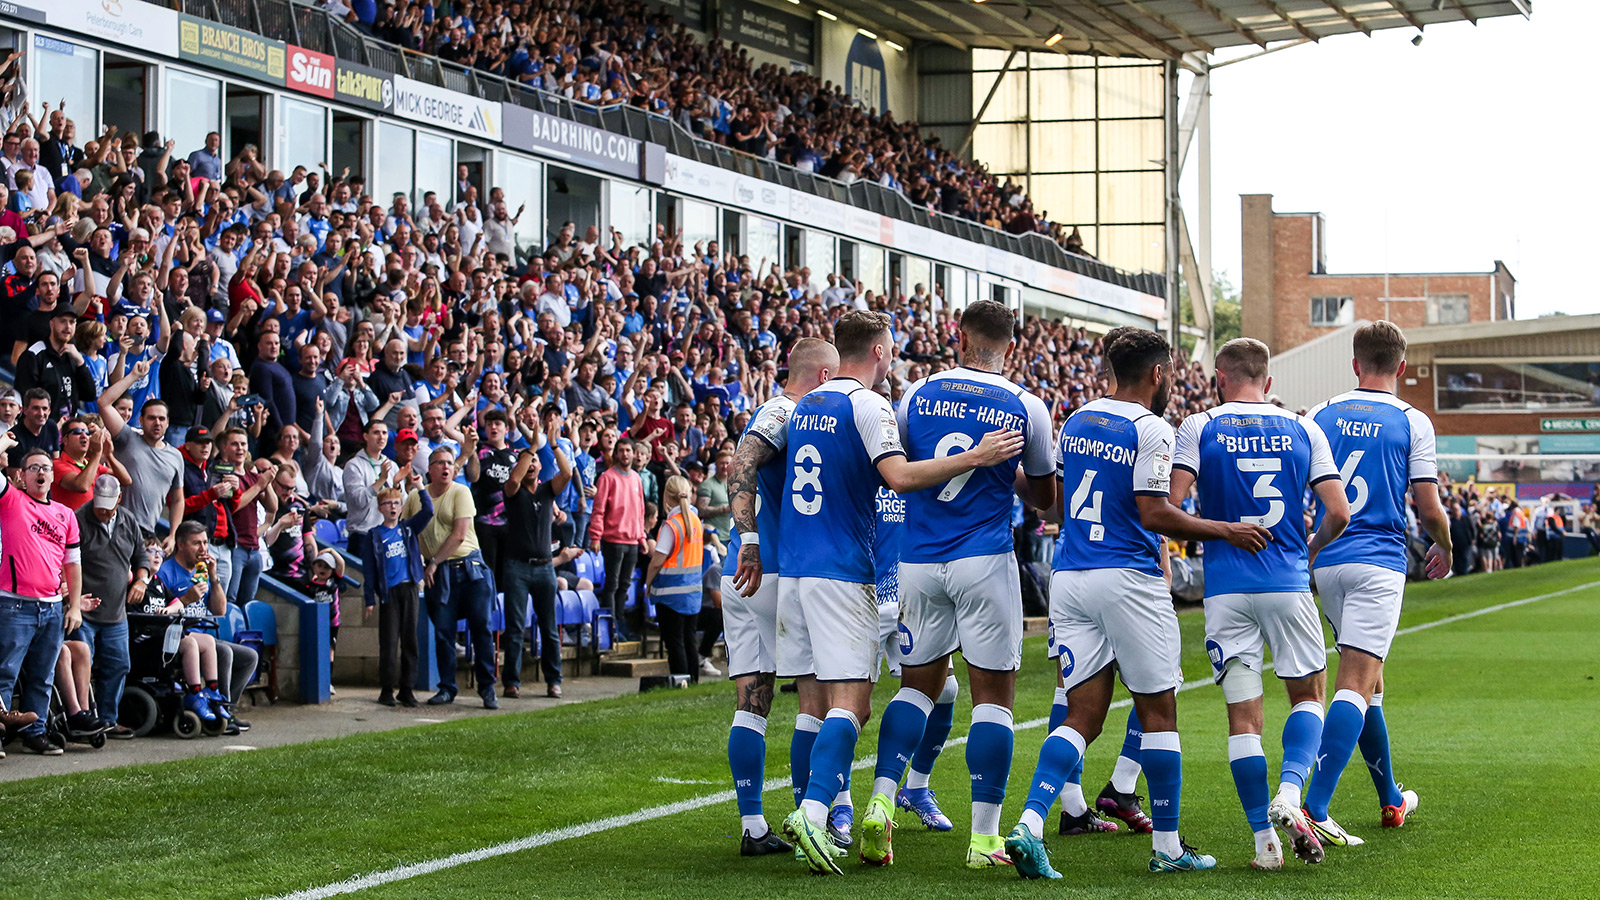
752, 454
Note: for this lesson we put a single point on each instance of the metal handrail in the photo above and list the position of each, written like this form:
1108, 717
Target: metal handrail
291, 21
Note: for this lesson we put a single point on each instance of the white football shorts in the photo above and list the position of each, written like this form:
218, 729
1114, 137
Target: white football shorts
889, 645
1239, 626
827, 628
1362, 603
1100, 616
750, 627
973, 605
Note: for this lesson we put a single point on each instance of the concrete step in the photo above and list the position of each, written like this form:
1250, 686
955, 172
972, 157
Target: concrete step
1035, 624
633, 668
625, 650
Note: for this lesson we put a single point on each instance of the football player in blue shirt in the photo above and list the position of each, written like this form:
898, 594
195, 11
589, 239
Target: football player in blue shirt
842, 443
1384, 447
959, 587
750, 595
1252, 461
1110, 605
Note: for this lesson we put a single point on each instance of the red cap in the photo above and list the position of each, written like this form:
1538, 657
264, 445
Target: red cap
406, 434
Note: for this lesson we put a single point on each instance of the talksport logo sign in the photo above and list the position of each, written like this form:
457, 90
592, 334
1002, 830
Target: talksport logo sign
446, 109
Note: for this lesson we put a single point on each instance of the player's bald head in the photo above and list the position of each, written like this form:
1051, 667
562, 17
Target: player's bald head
809, 359
1244, 359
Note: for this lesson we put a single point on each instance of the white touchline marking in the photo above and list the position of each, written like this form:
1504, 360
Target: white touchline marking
544, 838
665, 780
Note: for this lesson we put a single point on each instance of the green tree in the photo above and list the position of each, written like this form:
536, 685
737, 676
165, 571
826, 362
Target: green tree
1225, 321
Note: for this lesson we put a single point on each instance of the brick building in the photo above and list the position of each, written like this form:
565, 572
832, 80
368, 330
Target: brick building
1288, 298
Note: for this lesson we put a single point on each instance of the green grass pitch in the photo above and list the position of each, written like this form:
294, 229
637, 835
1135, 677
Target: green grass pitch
1495, 721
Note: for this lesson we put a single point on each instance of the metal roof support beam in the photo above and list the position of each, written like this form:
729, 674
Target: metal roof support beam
936, 33
1174, 208
1196, 106
1194, 259
1463, 10
1231, 22
1161, 46
993, 89
990, 10
1283, 14
1170, 26
1355, 22
1406, 14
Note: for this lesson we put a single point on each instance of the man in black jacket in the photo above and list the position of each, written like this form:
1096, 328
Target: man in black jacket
56, 366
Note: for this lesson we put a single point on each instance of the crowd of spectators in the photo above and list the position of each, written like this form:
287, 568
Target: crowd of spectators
278, 355
1491, 530
605, 52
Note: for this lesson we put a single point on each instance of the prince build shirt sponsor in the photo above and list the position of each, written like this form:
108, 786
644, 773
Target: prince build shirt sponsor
969, 515
837, 435
1252, 462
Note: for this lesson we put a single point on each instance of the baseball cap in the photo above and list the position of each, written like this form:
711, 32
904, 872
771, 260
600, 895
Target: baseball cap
695, 465
64, 311
405, 434
11, 395
216, 316
198, 435
107, 492
329, 559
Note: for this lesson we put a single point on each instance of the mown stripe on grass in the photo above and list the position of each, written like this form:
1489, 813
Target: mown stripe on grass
545, 838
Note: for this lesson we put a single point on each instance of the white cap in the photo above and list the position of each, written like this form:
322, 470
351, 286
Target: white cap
329, 559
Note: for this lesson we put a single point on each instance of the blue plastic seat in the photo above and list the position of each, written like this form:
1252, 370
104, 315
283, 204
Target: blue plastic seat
231, 624
327, 533
259, 616
597, 565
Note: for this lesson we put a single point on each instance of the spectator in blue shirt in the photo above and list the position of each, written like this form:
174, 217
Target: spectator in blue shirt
391, 567
205, 163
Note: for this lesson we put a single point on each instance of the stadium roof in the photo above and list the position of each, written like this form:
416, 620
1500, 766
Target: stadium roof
1153, 29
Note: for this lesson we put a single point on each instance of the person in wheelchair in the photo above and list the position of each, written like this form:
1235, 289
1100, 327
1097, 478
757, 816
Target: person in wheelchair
188, 588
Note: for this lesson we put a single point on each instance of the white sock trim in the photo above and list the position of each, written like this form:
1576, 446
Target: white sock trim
1071, 736
992, 713
1352, 698
804, 722
1072, 801
1161, 740
843, 799
1125, 774
952, 690
915, 698
745, 719
847, 715
1308, 706
1377, 700
1061, 697
1244, 746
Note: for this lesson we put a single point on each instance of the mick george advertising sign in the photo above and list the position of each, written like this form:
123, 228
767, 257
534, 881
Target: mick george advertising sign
446, 109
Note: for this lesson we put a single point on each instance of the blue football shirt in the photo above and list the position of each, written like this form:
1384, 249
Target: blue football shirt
1111, 452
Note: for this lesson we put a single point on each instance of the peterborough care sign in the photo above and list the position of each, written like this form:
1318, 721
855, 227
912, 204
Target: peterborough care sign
580, 144
447, 109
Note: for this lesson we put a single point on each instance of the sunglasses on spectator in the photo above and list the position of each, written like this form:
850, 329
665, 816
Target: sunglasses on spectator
74, 432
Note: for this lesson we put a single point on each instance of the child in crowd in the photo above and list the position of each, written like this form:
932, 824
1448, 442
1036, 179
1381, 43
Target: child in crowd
323, 587
391, 565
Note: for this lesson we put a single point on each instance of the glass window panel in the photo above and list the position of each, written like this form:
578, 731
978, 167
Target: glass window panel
1130, 92
822, 257
1332, 312
193, 110
630, 212
522, 179
1132, 247
870, 269
1010, 101
1062, 146
988, 59
435, 168
1067, 198
1062, 94
1132, 197
1449, 309
699, 222
305, 133
396, 156
918, 271
70, 72
1003, 148
760, 242
1131, 144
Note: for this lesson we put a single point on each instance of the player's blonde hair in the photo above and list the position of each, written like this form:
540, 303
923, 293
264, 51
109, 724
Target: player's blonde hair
1244, 358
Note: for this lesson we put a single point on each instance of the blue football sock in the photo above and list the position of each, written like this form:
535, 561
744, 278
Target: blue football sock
904, 721
1134, 738
1162, 757
989, 748
940, 721
1375, 750
1347, 715
805, 737
1302, 733
1061, 754
1058, 710
830, 759
1249, 764
747, 759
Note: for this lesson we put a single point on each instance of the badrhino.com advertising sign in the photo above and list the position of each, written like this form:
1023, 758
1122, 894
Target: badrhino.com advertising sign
583, 145
444, 108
